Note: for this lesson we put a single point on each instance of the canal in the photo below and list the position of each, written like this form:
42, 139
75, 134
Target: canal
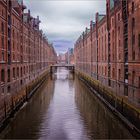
64, 109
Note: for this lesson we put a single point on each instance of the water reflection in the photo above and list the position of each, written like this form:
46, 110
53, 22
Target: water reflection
64, 109
62, 73
99, 121
64, 121
26, 123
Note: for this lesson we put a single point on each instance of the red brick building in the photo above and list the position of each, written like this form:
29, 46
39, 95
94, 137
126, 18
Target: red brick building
25, 53
109, 53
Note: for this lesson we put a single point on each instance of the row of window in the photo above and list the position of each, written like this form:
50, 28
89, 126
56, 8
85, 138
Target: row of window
2, 27
19, 73
1, 11
133, 75
8, 89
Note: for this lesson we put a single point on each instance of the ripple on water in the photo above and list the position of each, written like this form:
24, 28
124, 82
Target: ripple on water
64, 109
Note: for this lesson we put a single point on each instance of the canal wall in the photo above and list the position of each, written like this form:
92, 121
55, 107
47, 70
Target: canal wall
12, 103
125, 111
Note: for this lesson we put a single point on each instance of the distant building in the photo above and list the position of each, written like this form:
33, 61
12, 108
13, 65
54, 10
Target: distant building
61, 58
70, 56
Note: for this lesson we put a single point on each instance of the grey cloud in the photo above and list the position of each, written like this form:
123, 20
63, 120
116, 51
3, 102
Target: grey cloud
65, 20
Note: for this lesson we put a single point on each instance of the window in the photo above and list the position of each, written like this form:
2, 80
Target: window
21, 82
9, 45
24, 70
21, 72
133, 39
109, 82
119, 17
8, 75
2, 90
119, 56
133, 55
9, 5
112, 21
119, 73
2, 75
2, 12
133, 23
13, 57
133, 77
119, 43
105, 71
2, 42
2, 27
126, 90
104, 28
119, 30
9, 59
2, 56
8, 89
113, 73
17, 72
9, 32
13, 46
139, 40
113, 34
9, 20
133, 7
14, 74
126, 57
139, 82
13, 33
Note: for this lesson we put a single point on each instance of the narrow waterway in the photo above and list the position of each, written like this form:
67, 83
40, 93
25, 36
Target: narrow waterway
64, 109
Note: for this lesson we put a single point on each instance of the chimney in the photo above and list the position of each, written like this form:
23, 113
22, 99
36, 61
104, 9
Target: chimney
97, 16
86, 30
91, 25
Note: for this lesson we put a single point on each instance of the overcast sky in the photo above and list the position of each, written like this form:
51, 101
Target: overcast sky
64, 21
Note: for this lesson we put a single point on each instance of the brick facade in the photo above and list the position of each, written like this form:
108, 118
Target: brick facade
110, 51
24, 50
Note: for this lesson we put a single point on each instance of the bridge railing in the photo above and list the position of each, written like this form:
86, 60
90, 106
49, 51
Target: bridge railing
53, 67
